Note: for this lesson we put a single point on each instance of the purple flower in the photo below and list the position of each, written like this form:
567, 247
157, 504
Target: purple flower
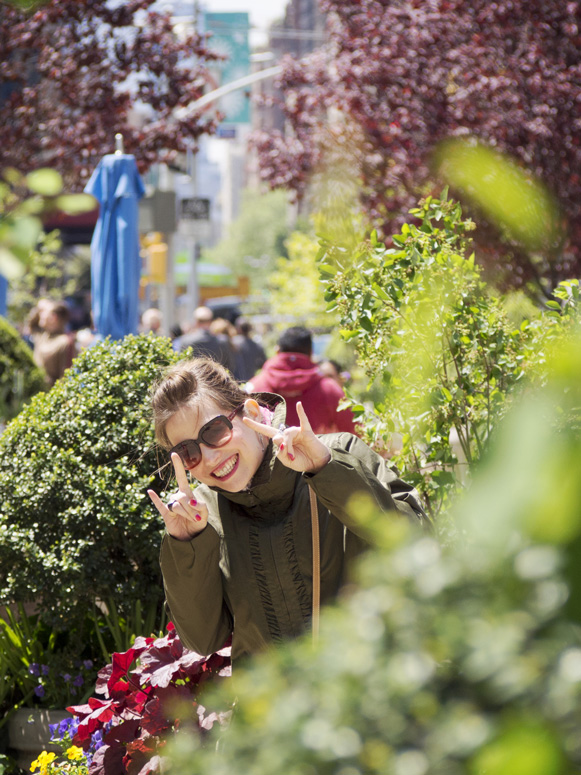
66, 676
96, 740
67, 726
39, 690
45, 669
88, 663
34, 669
79, 680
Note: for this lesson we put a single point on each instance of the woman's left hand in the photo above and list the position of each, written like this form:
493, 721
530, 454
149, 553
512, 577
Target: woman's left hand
298, 448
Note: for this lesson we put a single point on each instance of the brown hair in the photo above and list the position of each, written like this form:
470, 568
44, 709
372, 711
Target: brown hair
221, 326
189, 382
61, 310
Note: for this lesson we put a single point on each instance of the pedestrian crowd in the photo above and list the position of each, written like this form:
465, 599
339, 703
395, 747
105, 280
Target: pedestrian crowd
291, 372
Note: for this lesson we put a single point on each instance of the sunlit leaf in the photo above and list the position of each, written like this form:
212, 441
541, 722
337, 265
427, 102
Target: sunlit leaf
46, 182
76, 203
25, 232
12, 176
525, 749
507, 194
10, 266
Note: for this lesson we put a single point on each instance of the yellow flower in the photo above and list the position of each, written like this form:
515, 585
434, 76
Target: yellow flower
75, 753
43, 761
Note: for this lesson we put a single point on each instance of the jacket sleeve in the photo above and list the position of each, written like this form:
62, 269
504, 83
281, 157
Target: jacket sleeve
355, 468
193, 588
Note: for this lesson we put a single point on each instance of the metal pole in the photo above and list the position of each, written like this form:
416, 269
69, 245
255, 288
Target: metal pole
239, 83
167, 291
193, 285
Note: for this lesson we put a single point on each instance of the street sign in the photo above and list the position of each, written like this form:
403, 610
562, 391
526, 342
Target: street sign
195, 208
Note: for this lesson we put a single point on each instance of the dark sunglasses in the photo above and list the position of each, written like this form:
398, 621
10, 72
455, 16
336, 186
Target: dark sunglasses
215, 433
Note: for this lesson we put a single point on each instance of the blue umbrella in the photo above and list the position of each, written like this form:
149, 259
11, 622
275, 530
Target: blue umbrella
115, 261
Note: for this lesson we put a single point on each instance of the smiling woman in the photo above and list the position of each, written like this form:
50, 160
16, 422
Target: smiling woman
237, 558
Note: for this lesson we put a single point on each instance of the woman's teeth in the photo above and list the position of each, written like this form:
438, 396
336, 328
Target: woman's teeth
226, 468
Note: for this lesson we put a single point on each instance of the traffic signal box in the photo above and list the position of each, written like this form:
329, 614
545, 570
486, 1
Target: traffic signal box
155, 250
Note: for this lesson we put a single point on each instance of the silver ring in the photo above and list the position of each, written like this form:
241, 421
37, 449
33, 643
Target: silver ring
171, 504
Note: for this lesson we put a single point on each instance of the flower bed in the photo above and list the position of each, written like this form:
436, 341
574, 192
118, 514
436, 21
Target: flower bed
146, 693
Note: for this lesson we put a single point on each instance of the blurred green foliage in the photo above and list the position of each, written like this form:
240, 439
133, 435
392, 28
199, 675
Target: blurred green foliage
256, 238
438, 341
26, 5
295, 289
52, 273
460, 658
506, 193
24, 199
20, 378
76, 525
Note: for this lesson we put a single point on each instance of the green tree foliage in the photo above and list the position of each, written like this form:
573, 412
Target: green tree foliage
425, 325
255, 238
76, 525
448, 357
20, 378
23, 202
462, 658
295, 288
53, 273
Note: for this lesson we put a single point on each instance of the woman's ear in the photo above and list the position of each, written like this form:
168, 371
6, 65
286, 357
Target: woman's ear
252, 409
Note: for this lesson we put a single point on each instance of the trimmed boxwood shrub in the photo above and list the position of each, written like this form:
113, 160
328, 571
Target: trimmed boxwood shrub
20, 378
76, 523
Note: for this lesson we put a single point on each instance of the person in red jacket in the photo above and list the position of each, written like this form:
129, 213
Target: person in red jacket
293, 375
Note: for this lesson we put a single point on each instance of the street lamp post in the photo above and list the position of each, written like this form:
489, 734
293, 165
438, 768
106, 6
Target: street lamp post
185, 112
227, 88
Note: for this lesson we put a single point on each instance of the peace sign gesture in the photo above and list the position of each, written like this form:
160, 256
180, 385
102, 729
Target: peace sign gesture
298, 448
184, 515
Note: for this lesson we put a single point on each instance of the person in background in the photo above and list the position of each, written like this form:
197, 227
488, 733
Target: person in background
296, 377
31, 327
237, 557
203, 342
151, 321
334, 370
225, 332
250, 355
54, 348
176, 332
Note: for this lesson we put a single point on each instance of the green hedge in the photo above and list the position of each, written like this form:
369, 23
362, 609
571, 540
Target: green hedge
20, 378
76, 523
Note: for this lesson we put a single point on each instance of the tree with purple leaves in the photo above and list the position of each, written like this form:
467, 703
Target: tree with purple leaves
399, 77
72, 75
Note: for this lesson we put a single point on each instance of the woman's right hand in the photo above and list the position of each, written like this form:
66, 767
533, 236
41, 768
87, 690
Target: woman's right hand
187, 516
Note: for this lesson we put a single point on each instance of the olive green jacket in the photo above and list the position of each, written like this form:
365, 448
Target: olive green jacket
249, 572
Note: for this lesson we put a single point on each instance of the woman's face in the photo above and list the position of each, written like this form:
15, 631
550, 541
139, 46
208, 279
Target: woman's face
231, 466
